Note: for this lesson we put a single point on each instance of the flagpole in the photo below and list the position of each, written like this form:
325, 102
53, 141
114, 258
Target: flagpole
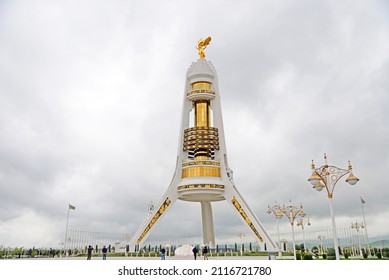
364, 222
66, 232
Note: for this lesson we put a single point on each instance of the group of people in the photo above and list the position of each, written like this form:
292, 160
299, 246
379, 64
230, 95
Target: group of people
163, 252
205, 252
103, 251
194, 250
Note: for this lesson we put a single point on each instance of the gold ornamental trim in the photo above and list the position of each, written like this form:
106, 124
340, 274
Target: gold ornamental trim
200, 162
157, 215
201, 128
199, 91
245, 217
194, 147
201, 186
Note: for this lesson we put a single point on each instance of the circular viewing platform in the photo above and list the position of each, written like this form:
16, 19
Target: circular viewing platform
201, 192
200, 94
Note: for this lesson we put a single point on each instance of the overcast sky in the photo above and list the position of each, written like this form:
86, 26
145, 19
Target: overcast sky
90, 108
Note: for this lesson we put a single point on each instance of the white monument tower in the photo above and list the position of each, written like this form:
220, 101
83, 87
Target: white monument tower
202, 173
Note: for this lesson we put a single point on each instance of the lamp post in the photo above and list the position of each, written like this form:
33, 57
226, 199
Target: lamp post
326, 177
364, 222
276, 210
241, 235
302, 222
291, 213
321, 238
357, 226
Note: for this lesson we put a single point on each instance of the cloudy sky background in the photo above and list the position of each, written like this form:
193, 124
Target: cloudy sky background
90, 107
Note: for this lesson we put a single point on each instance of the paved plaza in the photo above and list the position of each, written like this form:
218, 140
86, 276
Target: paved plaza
173, 258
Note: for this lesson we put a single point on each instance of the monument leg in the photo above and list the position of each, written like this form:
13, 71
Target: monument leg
250, 219
149, 224
208, 230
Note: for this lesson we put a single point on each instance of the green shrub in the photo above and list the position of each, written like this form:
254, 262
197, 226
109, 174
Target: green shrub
379, 255
308, 257
324, 256
298, 256
346, 255
365, 255
331, 254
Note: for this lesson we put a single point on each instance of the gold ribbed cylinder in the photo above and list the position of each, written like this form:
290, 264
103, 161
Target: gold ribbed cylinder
201, 85
202, 113
202, 119
201, 171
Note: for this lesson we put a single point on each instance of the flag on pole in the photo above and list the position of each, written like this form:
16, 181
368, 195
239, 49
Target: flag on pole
71, 207
362, 201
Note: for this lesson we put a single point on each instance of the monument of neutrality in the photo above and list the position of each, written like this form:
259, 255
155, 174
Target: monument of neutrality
202, 173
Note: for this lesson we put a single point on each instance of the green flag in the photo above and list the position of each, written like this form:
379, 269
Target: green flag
71, 207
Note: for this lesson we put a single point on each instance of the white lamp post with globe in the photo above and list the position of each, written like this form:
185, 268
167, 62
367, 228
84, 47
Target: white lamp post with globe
326, 177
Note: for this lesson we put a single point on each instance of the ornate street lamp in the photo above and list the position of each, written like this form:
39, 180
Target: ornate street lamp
302, 222
276, 210
357, 226
326, 177
291, 212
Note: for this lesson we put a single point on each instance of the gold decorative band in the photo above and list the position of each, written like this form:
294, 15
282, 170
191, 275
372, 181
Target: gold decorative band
161, 209
208, 129
201, 171
245, 217
201, 186
196, 91
200, 162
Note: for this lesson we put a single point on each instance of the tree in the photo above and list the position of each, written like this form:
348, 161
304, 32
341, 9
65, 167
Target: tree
385, 252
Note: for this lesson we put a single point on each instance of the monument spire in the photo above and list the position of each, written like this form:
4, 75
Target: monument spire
202, 173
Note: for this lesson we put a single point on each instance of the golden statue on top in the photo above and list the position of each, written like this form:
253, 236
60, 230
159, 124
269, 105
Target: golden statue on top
201, 45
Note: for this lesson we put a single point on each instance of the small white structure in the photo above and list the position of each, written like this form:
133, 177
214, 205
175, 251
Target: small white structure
184, 250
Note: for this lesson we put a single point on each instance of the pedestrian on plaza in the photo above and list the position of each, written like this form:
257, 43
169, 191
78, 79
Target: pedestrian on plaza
104, 251
90, 249
163, 251
195, 251
205, 252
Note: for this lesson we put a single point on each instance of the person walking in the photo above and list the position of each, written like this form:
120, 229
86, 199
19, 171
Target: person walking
163, 251
104, 251
90, 249
205, 252
195, 251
